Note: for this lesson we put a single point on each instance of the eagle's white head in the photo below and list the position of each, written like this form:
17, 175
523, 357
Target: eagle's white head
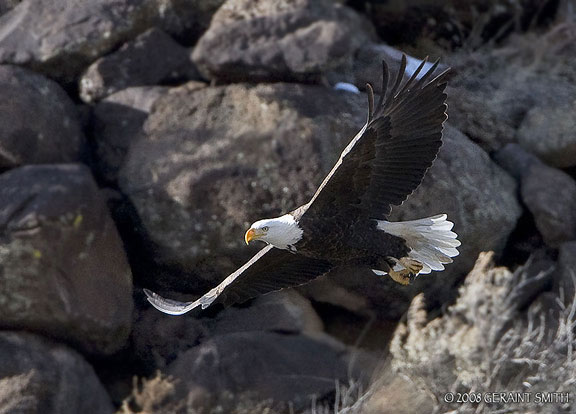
281, 232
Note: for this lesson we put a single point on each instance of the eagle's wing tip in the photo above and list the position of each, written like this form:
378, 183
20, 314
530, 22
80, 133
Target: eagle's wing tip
168, 306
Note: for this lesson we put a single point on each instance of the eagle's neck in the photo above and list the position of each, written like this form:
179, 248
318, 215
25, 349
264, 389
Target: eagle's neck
284, 232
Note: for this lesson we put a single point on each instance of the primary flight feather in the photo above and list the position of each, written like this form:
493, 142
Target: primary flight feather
344, 222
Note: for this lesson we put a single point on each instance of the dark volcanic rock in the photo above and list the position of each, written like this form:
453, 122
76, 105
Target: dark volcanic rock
61, 37
118, 121
40, 376
548, 193
268, 366
63, 267
278, 40
38, 122
216, 159
491, 96
550, 132
186, 20
152, 58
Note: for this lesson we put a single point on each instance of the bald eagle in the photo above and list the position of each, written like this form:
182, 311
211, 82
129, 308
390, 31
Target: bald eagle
344, 222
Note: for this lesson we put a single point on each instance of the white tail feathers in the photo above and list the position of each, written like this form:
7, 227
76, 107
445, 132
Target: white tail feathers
431, 240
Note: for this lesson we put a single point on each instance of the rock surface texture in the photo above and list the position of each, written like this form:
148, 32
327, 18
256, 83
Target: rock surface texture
38, 121
61, 37
64, 271
151, 59
117, 121
278, 40
40, 376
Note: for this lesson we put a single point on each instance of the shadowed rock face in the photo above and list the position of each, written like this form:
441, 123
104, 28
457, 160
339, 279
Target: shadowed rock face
550, 132
40, 376
117, 121
62, 37
38, 121
151, 59
548, 193
268, 366
278, 40
64, 271
215, 160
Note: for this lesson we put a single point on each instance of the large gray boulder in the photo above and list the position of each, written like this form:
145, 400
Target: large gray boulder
490, 96
548, 193
550, 132
275, 40
61, 37
64, 270
216, 159
150, 59
186, 20
38, 376
284, 369
38, 121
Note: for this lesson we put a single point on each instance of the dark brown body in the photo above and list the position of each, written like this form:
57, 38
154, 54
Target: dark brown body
344, 242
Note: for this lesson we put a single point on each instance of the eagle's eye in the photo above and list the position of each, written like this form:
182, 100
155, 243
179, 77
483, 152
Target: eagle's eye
265, 228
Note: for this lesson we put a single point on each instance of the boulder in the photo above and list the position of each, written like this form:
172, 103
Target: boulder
214, 160
64, 270
549, 131
548, 193
265, 366
257, 40
61, 37
491, 95
150, 59
116, 122
40, 376
39, 123
186, 20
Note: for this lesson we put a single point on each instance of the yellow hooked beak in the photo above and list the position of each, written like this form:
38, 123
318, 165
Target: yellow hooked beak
253, 234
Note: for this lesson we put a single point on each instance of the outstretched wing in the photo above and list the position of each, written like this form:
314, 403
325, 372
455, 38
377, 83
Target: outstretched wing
269, 270
390, 155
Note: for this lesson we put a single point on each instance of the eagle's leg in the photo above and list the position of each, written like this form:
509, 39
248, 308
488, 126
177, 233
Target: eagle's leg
403, 270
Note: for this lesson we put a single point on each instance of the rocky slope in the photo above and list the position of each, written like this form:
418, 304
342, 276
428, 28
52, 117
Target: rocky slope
138, 139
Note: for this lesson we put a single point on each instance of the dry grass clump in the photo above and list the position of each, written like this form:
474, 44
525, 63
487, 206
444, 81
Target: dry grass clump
494, 339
